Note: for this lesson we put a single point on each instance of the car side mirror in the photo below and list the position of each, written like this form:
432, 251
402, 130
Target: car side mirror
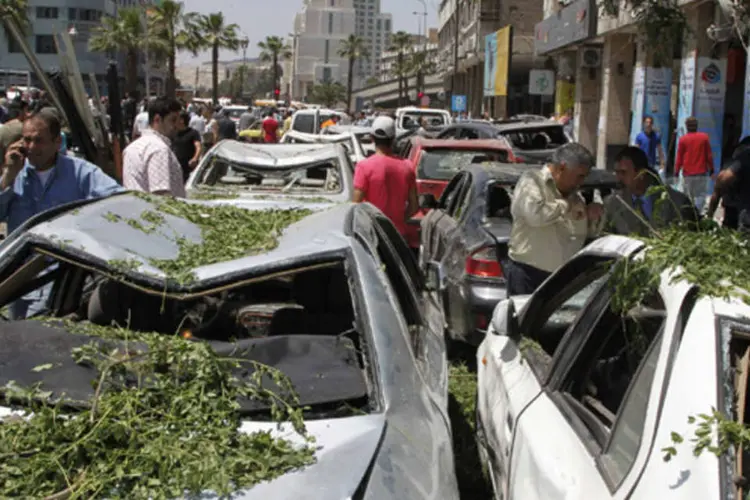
435, 280
505, 319
427, 201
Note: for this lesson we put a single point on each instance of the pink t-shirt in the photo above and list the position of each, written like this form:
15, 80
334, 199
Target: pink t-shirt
386, 182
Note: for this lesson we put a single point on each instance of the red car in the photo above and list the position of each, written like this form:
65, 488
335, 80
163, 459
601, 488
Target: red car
438, 160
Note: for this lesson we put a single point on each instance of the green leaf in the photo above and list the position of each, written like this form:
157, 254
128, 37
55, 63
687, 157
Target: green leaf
41, 368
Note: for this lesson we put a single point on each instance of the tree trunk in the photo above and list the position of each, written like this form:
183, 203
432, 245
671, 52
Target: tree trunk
171, 77
349, 86
400, 78
131, 71
215, 72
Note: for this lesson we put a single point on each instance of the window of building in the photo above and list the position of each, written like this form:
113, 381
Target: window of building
47, 13
326, 74
326, 50
379, 24
72, 14
45, 44
330, 22
388, 25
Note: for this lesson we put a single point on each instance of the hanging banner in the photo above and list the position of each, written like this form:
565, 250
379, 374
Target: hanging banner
657, 102
710, 92
565, 96
687, 94
636, 106
746, 104
490, 58
502, 60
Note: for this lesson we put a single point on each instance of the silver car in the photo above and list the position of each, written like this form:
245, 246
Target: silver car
341, 284
351, 141
312, 172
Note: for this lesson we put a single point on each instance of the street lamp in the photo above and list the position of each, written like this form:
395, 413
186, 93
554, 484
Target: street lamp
243, 43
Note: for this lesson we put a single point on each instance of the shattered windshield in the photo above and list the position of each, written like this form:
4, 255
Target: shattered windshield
530, 138
414, 119
322, 177
443, 164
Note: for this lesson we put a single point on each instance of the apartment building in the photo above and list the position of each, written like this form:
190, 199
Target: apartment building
375, 28
319, 29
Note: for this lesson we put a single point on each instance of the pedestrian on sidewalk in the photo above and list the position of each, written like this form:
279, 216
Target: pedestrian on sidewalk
551, 221
635, 210
695, 162
149, 164
386, 181
649, 141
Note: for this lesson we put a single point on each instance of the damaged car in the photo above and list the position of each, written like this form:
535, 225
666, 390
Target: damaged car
592, 386
305, 172
349, 139
332, 299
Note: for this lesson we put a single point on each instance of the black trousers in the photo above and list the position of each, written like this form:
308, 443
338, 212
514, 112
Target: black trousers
731, 217
523, 279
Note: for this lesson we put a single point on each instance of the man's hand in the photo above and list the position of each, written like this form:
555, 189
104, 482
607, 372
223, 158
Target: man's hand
578, 211
594, 211
193, 163
14, 158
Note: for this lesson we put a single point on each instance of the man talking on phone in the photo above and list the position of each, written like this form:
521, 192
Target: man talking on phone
36, 177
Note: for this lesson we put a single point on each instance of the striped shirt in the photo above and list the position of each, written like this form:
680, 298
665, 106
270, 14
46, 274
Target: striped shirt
150, 165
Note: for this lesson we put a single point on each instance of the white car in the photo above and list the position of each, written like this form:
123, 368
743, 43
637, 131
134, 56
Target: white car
575, 401
349, 140
409, 117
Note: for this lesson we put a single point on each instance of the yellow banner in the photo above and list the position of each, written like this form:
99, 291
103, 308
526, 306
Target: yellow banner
565, 96
502, 64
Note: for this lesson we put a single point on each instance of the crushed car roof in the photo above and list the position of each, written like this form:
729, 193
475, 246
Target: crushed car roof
90, 233
275, 155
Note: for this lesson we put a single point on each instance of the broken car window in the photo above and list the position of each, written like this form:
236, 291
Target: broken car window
443, 164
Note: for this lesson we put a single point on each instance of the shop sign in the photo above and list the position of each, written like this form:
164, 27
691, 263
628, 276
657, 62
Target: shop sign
573, 23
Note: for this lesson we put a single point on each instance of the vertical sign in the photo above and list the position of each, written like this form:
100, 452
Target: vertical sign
502, 64
746, 104
710, 91
636, 119
687, 94
657, 102
490, 58
565, 96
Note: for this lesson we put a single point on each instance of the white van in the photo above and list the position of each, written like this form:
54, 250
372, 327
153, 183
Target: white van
408, 118
308, 121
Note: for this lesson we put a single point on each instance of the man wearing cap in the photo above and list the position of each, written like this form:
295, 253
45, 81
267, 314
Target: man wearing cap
385, 180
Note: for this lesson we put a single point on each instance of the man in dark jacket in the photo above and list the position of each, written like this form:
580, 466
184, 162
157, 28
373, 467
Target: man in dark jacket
224, 127
643, 203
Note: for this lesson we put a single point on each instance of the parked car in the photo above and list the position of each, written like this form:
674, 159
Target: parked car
577, 400
473, 129
364, 135
301, 171
339, 306
349, 140
234, 112
410, 117
255, 132
309, 121
468, 231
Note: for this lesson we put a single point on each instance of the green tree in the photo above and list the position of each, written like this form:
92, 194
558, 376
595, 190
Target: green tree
401, 43
272, 50
419, 65
16, 10
126, 33
179, 31
216, 35
353, 48
328, 94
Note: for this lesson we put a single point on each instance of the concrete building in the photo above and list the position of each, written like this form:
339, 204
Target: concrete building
615, 81
389, 57
375, 28
319, 28
463, 28
47, 17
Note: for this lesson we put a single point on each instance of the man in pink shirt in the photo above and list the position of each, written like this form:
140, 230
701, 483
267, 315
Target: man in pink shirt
385, 180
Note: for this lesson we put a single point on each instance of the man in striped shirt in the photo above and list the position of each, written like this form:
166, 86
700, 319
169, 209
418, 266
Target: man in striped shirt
149, 164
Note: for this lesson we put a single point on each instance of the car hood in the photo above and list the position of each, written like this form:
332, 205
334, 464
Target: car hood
252, 201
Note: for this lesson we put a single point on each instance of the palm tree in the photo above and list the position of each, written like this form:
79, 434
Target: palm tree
352, 49
124, 33
216, 35
179, 31
328, 93
16, 10
401, 43
420, 65
272, 49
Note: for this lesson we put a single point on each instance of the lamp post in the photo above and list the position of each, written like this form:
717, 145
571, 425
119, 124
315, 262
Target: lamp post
243, 43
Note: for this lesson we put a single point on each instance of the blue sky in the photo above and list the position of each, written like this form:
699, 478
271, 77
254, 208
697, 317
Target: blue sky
259, 18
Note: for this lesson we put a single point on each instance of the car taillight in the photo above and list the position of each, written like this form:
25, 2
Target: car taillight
484, 264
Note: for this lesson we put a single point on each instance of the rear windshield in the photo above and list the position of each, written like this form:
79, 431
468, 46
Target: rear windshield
304, 123
443, 164
530, 138
319, 177
412, 120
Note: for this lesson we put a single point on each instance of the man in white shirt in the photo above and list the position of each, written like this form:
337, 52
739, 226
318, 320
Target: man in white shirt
149, 164
140, 123
197, 122
551, 220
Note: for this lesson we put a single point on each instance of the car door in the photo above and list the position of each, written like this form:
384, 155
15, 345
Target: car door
589, 432
513, 370
430, 222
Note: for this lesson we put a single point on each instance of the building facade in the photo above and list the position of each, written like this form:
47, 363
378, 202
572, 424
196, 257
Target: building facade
463, 29
46, 18
375, 28
389, 59
319, 29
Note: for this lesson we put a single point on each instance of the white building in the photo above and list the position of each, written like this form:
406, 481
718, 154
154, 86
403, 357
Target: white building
375, 27
319, 28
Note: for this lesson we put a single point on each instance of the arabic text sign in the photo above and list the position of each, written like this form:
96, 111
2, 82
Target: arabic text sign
636, 120
710, 91
657, 98
541, 82
687, 94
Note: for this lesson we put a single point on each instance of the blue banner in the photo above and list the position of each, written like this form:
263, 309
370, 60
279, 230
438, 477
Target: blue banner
657, 102
458, 103
490, 58
710, 92
687, 94
636, 106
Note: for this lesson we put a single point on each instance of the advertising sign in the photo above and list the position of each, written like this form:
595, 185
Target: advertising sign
636, 106
576, 21
502, 61
541, 82
490, 58
458, 103
710, 91
687, 94
657, 98
565, 96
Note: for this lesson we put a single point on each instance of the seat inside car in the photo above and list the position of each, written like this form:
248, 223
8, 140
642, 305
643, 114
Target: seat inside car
498, 201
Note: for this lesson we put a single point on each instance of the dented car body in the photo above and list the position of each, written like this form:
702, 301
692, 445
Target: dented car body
338, 306
576, 400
